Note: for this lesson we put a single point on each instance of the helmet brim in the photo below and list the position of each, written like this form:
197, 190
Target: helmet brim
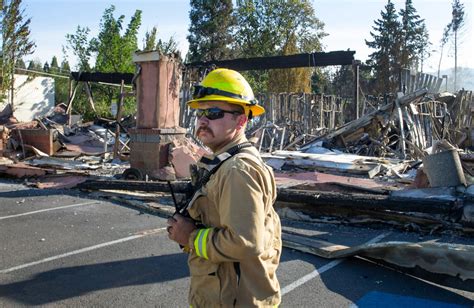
256, 109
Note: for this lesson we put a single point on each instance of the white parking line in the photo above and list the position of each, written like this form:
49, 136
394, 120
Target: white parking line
323, 269
75, 252
51, 209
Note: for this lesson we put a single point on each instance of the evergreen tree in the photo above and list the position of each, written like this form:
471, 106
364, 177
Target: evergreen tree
411, 33
423, 45
65, 68
46, 67
386, 57
20, 64
35, 65
54, 67
210, 31
16, 43
343, 82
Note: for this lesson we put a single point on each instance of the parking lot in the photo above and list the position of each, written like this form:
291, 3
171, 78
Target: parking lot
62, 248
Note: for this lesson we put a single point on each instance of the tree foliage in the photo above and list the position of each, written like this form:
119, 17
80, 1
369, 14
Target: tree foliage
266, 27
400, 40
80, 45
210, 30
16, 42
270, 28
291, 79
65, 68
413, 36
114, 49
386, 41
164, 47
20, 64
54, 66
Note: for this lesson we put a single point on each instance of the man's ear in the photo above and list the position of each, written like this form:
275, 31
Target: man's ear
242, 119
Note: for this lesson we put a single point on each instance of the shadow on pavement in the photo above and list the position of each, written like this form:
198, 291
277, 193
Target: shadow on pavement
59, 284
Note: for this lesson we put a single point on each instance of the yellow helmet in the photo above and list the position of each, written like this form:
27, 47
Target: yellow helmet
229, 86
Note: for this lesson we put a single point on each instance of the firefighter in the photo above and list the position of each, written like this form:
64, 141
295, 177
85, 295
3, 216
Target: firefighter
233, 235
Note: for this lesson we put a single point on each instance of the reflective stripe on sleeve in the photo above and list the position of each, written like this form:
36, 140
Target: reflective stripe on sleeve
200, 243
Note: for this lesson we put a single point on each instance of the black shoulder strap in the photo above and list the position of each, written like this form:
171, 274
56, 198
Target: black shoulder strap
217, 162
231, 152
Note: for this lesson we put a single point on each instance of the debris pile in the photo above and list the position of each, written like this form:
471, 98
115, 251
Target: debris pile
406, 163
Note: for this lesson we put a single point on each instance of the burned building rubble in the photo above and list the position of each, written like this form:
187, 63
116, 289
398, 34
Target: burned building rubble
405, 162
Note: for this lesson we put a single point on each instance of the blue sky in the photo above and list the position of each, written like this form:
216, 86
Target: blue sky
348, 23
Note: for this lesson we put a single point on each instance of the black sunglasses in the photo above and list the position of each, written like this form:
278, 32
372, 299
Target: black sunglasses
201, 91
213, 113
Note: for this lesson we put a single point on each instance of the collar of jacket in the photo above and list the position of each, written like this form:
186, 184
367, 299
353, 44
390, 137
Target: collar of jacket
238, 139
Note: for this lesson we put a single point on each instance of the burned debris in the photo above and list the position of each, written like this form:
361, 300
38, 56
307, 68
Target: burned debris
405, 162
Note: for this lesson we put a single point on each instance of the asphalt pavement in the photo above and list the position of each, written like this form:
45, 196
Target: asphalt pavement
65, 248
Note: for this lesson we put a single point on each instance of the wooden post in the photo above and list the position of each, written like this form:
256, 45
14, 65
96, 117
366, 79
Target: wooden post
89, 95
118, 118
72, 94
355, 67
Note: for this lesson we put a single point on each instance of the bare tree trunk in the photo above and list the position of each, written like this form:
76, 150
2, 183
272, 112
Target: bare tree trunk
455, 60
440, 58
12, 83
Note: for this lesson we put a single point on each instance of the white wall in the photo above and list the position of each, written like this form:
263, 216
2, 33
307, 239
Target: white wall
33, 98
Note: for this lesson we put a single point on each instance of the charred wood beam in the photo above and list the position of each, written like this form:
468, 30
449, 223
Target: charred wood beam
115, 78
365, 201
299, 60
312, 199
178, 187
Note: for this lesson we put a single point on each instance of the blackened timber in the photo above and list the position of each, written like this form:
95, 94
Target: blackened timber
365, 201
312, 199
178, 187
115, 78
290, 61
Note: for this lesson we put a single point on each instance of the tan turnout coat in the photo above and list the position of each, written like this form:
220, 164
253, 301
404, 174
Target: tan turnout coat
241, 229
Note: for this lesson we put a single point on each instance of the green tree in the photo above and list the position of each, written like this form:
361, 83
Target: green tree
150, 40
80, 45
210, 36
20, 64
46, 67
412, 31
65, 68
423, 45
270, 28
457, 24
16, 43
386, 57
164, 47
266, 27
54, 67
343, 81
291, 79
114, 49
34, 65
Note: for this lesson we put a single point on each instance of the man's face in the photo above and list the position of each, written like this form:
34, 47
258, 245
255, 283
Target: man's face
217, 133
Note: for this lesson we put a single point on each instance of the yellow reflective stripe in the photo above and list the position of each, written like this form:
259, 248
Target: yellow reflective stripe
200, 243
196, 242
204, 246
